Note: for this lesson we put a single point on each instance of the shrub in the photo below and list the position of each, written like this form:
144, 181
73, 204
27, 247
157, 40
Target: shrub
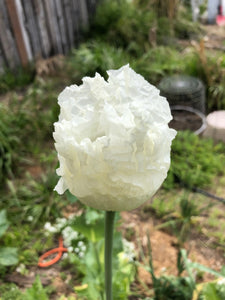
195, 161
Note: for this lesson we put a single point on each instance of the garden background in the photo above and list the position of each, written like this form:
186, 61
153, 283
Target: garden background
172, 247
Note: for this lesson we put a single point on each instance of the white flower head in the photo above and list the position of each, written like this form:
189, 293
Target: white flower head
70, 249
113, 140
221, 281
128, 250
30, 218
50, 228
21, 268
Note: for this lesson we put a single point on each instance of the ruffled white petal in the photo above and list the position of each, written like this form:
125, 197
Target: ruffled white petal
113, 140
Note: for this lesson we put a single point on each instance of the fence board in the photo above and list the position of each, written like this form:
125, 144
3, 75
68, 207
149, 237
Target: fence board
69, 21
76, 26
53, 26
7, 40
30, 29
42, 26
91, 6
62, 26
12, 10
83, 12
25, 36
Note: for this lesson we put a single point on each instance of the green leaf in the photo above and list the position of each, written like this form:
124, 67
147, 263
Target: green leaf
8, 256
92, 232
210, 293
4, 223
206, 269
36, 291
72, 199
193, 265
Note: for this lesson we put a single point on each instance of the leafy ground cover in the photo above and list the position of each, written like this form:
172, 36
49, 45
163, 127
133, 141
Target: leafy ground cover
185, 247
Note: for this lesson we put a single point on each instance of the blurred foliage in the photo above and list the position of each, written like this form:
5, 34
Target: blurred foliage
36, 198
180, 219
213, 290
182, 286
31, 115
210, 68
96, 56
159, 62
9, 142
8, 255
36, 291
122, 23
184, 27
194, 161
17, 78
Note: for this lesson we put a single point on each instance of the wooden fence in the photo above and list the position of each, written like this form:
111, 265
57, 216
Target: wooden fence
32, 29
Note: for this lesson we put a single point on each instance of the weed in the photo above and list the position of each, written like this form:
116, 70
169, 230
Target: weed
176, 287
163, 207
180, 220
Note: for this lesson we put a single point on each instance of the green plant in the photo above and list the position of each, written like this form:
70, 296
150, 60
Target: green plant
172, 287
180, 287
123, 24
97, 56
36, 291
8, 255
91, 265
92, 268
10, 291
161, 207
32, 116
9, 142
158, 62
36, 198
195, 161
181, 220
11, 79
213, 291
210, 68
184, 27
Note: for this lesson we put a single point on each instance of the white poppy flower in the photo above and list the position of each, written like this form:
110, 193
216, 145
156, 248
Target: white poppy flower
113, 140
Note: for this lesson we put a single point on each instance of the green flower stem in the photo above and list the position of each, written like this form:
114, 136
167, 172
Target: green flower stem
109, 222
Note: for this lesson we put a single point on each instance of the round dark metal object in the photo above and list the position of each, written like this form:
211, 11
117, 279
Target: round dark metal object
184, 90
187, 118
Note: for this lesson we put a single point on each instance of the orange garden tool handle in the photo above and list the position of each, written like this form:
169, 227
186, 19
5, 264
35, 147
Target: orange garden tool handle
58, 250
